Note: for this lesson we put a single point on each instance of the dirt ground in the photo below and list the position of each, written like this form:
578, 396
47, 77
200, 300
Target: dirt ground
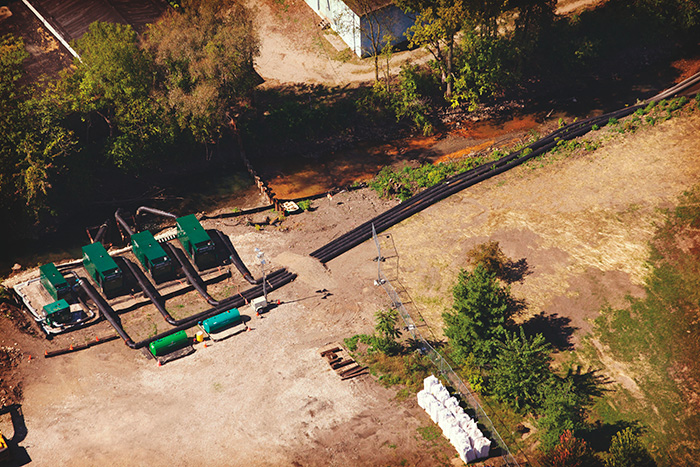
265, 397
580, 226
46, 55
294, 49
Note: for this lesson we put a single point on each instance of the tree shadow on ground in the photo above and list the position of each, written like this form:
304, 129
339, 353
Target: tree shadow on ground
514, 271
556, 329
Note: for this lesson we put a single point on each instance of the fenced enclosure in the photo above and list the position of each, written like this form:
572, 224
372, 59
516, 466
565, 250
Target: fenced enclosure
444, 369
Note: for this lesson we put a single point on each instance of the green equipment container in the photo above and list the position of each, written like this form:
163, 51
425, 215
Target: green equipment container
58, 312
152, 256
53, 281
221, 321
103, 269
196, 242
169, 344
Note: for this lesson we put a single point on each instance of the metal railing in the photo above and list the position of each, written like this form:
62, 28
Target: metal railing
444, 368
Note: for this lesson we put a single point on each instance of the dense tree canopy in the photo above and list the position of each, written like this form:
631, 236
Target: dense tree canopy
521, 369
627, 451
33, 142
126, 104
480, 314
204, 52
114, 79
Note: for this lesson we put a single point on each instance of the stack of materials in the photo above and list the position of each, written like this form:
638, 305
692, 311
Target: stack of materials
457, 426
341, 362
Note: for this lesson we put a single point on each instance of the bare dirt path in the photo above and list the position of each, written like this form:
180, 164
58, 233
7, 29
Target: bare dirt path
294, 49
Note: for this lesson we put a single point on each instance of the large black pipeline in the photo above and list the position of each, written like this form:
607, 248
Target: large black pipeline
149, 290
236, 259
155, 211
275, 280
192, 276
683, 85
123, 223
395, 215
459, 182
106, 310
101, 232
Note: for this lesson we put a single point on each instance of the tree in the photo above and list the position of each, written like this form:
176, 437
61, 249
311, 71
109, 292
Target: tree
481, 68
480, 314
386, 324
490, 255
386, 327
437, 24
12, 55
114, 79
520, 369
627, 451
33, 140
570, 452
205, 52
562, 409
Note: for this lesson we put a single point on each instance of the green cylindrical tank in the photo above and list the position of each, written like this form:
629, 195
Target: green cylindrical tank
221, 321
169, 344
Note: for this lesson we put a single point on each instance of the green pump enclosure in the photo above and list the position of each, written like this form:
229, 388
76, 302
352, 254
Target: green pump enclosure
152, 256
103, 269
222, 320
58, 312
53, 281
196, 242
169, 343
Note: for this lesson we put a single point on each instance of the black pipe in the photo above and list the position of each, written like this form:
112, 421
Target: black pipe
155, 211
236, 259
123, 223
459, 182
106, 311
149, 290
234, 302
102, 231
192, 276
279, 278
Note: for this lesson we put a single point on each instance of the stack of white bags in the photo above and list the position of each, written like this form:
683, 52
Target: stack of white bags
456, 425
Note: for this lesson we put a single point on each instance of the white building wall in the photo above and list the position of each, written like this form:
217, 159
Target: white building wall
348, 25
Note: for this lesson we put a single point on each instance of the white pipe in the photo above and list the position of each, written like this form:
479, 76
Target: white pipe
52, 30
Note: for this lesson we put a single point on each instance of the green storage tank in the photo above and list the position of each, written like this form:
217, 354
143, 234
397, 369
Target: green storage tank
53, 281
169, 344
196, 242
103, 269
152, 256
58, 312
221, 321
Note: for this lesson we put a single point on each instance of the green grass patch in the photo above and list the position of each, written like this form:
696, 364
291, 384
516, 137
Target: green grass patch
429, 433
657, 340
407, 181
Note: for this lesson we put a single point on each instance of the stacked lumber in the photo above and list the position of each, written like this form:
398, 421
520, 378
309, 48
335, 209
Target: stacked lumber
341, 362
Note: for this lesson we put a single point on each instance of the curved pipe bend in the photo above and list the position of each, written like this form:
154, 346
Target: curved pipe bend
236, 259
155, 211
122, 222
